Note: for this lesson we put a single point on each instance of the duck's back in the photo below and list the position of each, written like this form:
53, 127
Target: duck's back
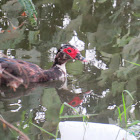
16, 71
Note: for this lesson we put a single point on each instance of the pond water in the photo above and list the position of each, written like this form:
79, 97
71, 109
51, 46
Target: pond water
106, 33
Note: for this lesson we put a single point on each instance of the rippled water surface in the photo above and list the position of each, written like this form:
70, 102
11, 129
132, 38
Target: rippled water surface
106, 33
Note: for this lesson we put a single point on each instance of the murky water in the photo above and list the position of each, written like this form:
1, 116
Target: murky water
103, 34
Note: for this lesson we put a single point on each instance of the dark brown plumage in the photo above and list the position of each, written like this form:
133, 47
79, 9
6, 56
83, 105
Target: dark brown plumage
15, 72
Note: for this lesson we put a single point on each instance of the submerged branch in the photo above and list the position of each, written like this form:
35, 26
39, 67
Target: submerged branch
25, 137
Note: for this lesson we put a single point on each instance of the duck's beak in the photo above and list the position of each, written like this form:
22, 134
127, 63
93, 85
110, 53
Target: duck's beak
80, 57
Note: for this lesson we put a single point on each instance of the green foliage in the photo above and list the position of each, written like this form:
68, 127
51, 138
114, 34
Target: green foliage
11, 40
124, 108
117, 87
133, 123
136, 14
132, 63
122, 41
30, 11
24, 126
43, 130
82, 6
75, 68
61, 109
66, 104
85, 118
101, 1
25, 122
119, 111
33, 36
110, 36
129, 94
116, 14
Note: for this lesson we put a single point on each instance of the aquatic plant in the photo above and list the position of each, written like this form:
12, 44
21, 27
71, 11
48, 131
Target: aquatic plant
85, 119
132, 63
30, 11
124, 107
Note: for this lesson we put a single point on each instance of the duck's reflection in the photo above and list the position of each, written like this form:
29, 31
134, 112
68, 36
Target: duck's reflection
65, 94
43, 100
51, 95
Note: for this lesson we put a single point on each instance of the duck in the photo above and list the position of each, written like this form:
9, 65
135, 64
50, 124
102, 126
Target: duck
15, 72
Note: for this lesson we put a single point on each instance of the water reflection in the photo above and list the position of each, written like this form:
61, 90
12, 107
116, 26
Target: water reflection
91, 56
40, 114
18, 104
72, 96
93, 87
75, 41
43, 100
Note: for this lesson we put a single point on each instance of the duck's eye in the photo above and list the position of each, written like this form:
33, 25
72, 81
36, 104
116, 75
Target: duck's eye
69, 51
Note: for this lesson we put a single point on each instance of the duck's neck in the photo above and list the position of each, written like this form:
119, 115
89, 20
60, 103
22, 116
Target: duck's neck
57, 72
62, 67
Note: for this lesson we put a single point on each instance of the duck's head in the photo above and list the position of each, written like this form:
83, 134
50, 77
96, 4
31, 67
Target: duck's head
66, 53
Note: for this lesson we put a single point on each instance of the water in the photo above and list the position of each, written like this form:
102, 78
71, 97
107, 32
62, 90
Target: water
94, 87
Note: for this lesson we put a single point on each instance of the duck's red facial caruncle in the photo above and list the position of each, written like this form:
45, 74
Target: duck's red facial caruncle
74, 53
71, 52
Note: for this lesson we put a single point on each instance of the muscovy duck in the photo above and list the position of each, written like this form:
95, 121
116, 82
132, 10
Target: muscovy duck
15, 72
